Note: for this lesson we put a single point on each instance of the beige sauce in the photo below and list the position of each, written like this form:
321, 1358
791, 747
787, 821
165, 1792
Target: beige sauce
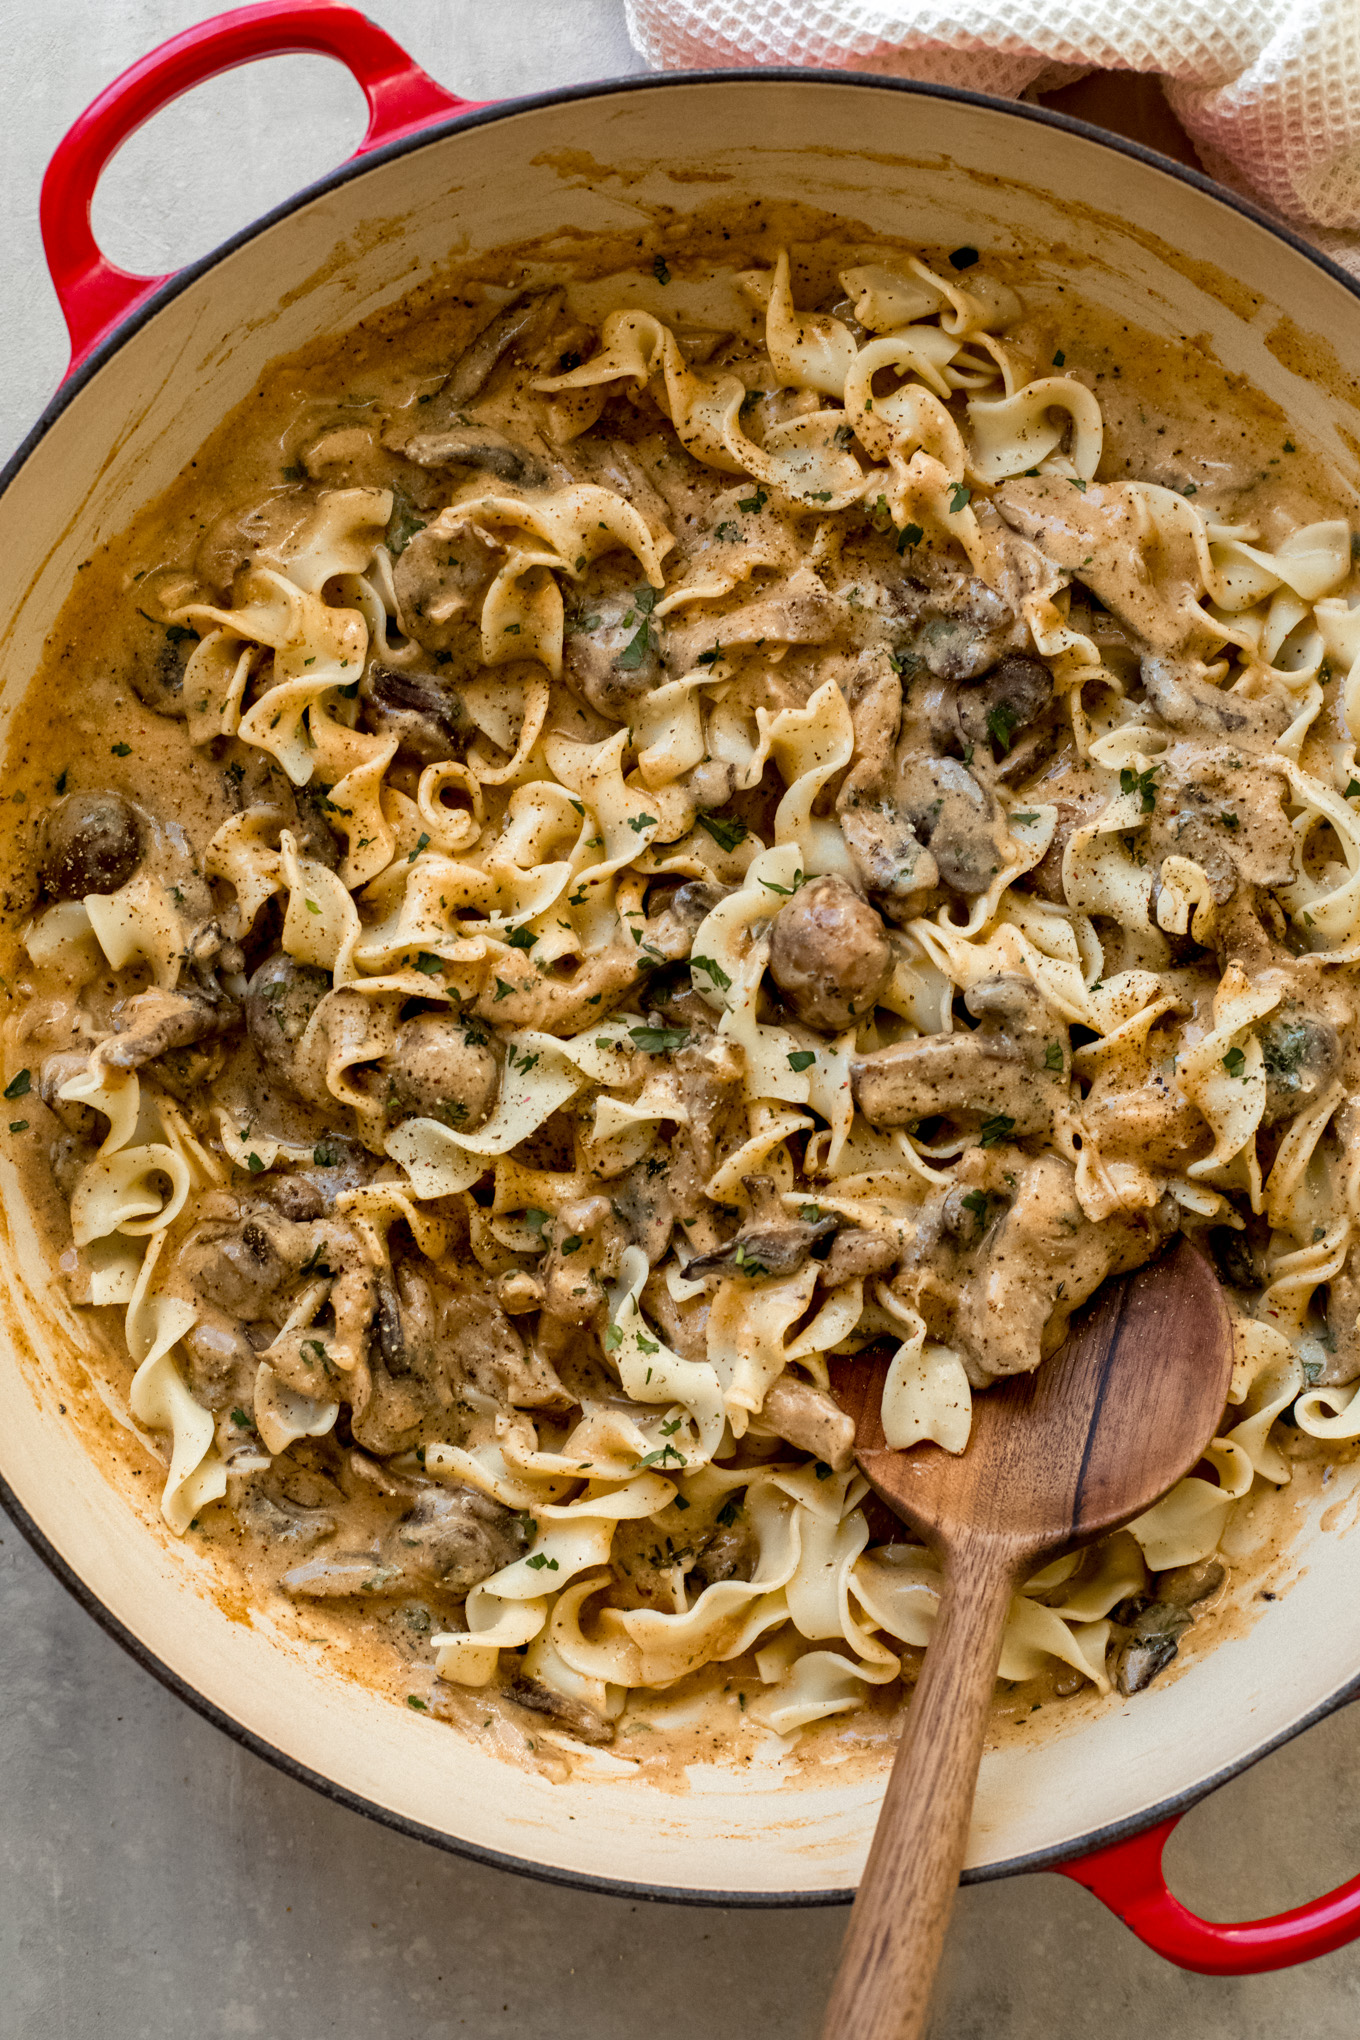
1172, 415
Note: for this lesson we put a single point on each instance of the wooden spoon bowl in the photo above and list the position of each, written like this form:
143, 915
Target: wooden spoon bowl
1099, 1433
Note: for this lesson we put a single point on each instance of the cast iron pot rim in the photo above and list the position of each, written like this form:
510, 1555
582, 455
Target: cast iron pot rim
438, 131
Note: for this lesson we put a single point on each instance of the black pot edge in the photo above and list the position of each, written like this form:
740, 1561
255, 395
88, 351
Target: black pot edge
1043, 1859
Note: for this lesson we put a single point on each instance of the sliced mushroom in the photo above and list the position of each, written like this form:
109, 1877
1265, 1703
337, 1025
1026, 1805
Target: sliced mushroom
281, 1521
1012, 696
829, 954
1004, 1070
428, 720
520, 323
730, 1551
574, 1715
158, 679
679, 920
1157, 1626
772, 1241
892, 860
239, 534
154, 1022
89, 843
477, 446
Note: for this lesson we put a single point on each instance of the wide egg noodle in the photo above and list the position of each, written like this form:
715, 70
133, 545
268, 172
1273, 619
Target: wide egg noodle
513, 887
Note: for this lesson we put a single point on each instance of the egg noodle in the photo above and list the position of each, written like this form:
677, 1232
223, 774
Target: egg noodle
742, 846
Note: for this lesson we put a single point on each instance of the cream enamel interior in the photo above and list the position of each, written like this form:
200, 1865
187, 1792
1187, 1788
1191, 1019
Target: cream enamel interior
1140, 242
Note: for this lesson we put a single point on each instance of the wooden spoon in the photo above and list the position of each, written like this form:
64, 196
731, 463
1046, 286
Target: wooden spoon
1097, 1435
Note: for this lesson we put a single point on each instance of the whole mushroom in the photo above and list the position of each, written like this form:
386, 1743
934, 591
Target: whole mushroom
829, 954
89, 843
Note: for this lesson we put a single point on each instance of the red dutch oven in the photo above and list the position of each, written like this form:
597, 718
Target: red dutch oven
156, 361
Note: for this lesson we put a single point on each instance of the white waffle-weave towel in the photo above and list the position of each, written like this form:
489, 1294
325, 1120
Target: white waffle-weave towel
1268, 90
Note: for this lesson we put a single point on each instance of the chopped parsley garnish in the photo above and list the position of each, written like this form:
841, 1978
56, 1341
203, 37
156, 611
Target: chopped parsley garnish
255, 1165
714, 972
18, 1126
963, 258
660, 271
613, 1338
428, 964
658, 1040
402, 525
1229, 819
802, 1059
960, 496
572, 1243
910, 534
503, 991
976, 1202
1353, 788
325, 1158
809, 1213
240, 1419
725, 830
1002, 723
1023, 819
787, 890
520, 938
1059, 358
822, 1470
666, 1452
1141, 783
1234, 1062
423, 843
996, 1129
644, 639
637, 823
710, 657
1053, 1056
535, 1219
20, 1086
121, 750
755, 503
414, 1700
728, 1513
540, 1562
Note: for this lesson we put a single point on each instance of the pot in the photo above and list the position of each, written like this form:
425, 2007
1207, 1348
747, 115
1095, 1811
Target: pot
156, 361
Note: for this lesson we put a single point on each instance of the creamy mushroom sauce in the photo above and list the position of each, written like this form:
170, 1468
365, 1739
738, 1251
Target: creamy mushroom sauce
627, 834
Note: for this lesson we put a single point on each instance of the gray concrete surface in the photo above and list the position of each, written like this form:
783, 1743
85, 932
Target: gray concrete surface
155, 1881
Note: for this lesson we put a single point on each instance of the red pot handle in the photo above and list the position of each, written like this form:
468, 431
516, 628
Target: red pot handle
1128, 1878
95, 295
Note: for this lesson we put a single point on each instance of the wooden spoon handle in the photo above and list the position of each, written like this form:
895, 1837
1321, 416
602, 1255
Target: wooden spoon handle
896, 1933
